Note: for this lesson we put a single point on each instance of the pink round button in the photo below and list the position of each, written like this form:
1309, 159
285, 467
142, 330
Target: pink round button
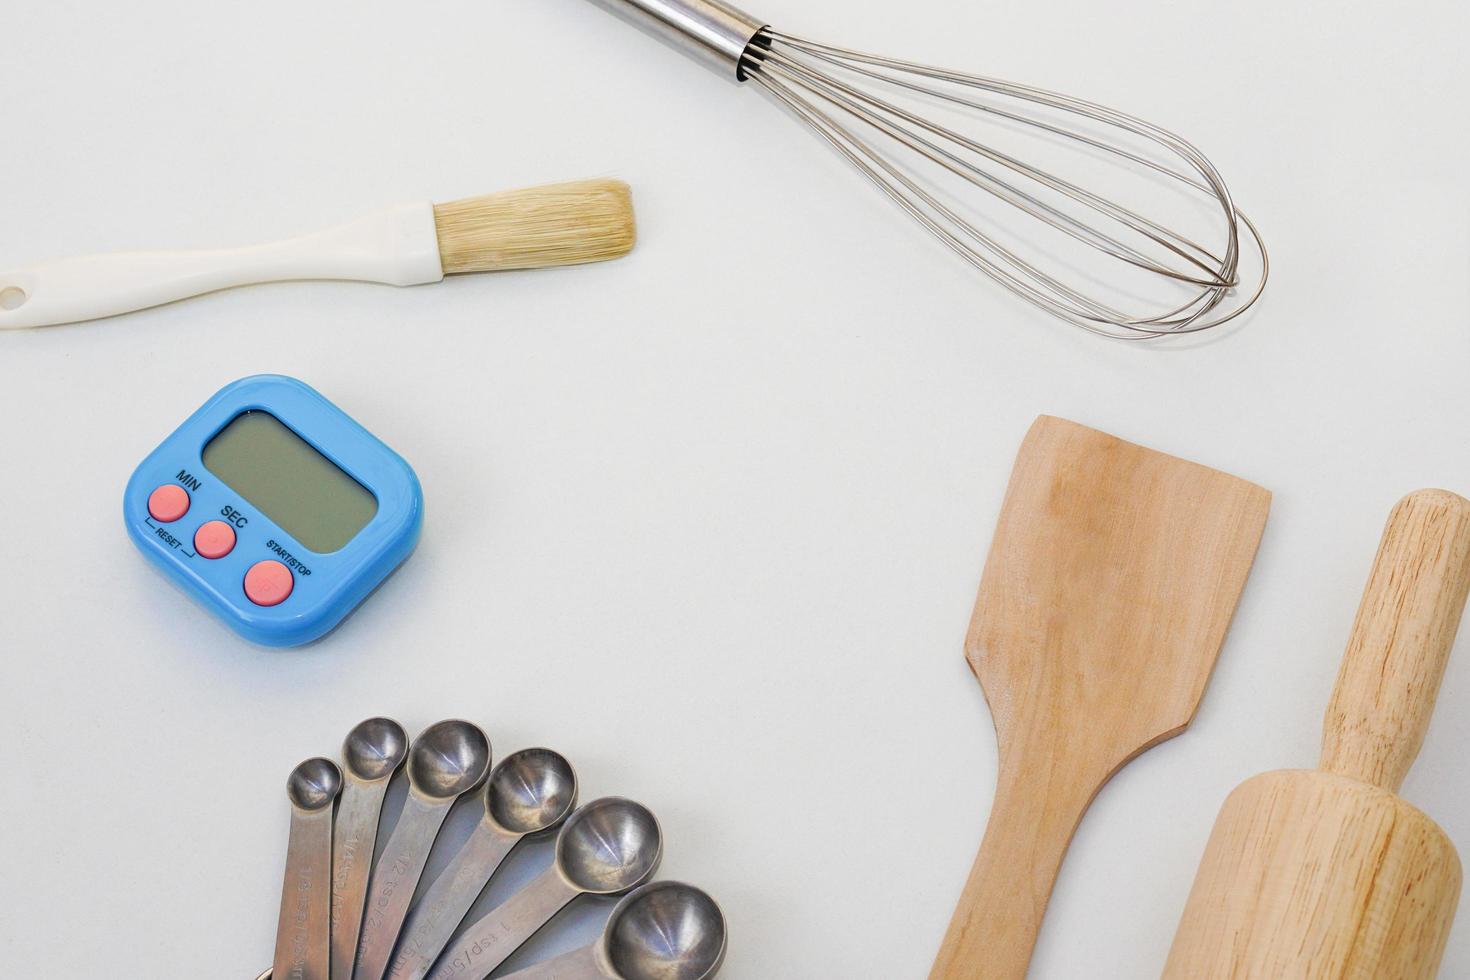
168, 503
214, 539
268, 583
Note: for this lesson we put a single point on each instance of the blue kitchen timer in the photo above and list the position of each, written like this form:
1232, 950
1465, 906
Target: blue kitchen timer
274, 509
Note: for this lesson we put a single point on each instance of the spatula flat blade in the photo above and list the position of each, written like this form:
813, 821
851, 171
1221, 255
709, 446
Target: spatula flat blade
1111, 582
1113, 576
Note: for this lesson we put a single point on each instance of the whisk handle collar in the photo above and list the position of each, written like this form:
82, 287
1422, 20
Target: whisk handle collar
710, 31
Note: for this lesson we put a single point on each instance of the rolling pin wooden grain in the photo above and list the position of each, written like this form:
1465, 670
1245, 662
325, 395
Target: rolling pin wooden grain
1327, 874
1111, 581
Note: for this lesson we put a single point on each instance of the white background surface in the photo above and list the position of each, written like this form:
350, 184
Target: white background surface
709, 520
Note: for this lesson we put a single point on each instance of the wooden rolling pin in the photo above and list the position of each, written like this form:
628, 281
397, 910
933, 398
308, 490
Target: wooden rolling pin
1326, 874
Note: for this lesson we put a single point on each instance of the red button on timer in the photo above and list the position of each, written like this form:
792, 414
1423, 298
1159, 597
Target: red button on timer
214, 539
168, 503
268, 583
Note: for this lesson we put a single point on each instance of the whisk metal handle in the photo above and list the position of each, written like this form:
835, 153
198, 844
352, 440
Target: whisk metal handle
710, 31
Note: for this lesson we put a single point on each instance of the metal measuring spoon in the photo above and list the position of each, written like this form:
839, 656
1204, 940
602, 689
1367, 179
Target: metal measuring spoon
304, 929
608, 847
528, 793
663, 931
447, 761
371, 754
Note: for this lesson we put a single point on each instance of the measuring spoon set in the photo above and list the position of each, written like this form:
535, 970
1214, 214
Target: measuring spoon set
343, 917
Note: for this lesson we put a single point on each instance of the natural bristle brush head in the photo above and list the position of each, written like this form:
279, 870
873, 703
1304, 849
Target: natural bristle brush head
560, 224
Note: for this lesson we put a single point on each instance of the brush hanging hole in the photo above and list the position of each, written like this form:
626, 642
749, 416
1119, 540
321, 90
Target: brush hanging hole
12, 298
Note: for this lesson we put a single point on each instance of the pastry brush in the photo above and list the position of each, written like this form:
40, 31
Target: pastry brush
407, 245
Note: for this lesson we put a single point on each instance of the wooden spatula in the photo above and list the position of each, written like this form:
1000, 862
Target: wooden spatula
1111, 580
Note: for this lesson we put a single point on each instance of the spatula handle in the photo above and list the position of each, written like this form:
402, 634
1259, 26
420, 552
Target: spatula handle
996, 922
1401, 641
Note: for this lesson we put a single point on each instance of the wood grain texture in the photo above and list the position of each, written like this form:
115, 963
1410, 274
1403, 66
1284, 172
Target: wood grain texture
1111, 581
1312, 875
1328, 875
1401, 640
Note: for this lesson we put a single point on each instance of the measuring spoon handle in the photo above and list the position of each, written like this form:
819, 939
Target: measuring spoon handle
490, 941
354, 837
443, 907
579, 964
394, 881
303, 931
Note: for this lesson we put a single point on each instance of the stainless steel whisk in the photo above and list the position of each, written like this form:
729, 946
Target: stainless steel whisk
1079, 254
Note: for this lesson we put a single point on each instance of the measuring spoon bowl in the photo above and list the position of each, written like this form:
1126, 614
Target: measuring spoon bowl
531, 792
304, 928
372, 753
609, 846
448, 760
375, 749
313, 785
666, 931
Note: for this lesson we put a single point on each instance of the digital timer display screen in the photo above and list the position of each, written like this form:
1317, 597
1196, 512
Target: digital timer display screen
289, 481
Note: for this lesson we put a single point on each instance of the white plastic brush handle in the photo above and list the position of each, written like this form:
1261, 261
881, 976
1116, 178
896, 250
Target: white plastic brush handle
398, 246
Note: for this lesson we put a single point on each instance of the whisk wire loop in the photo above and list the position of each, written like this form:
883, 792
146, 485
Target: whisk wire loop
1097, 203
838, 92
850, 98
